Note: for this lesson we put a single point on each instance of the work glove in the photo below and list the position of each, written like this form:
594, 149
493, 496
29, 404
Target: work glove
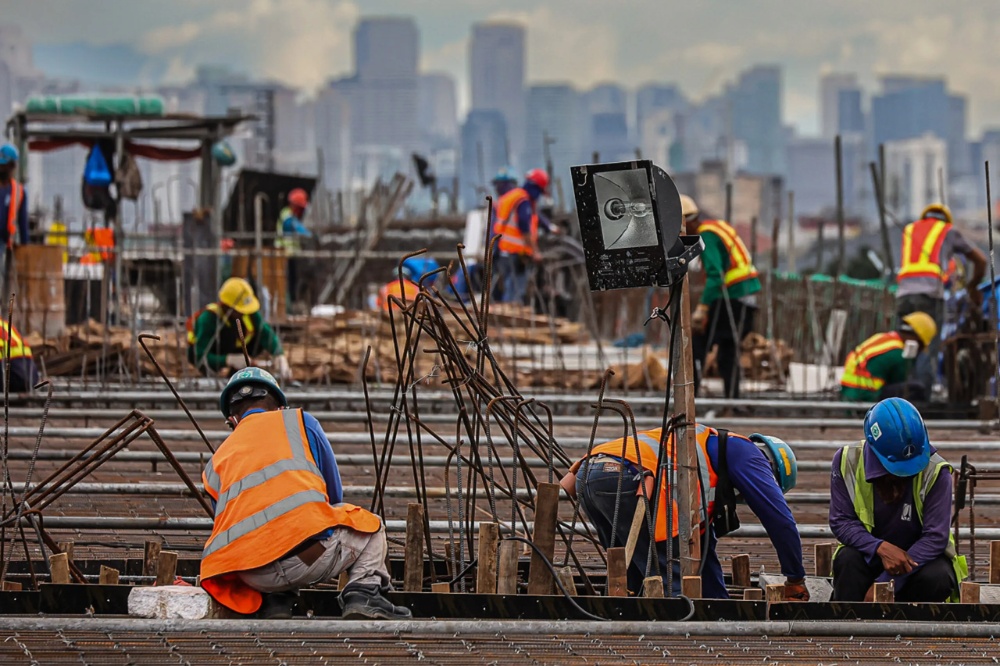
699, 319
236, 361
796, 591
281, 367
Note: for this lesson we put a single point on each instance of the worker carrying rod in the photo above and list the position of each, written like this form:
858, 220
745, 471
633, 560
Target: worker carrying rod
756, 470
890, 508
280, 518
880, 367
214, 344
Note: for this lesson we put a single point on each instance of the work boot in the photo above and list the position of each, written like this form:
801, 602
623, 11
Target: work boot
278, 605
365, 602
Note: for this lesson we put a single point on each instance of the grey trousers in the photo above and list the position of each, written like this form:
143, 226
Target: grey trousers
361, 555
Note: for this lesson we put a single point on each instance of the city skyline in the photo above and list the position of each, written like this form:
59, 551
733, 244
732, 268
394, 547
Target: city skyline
305, 43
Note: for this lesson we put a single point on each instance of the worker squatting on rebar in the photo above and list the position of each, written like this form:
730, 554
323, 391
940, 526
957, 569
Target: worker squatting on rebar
280, 519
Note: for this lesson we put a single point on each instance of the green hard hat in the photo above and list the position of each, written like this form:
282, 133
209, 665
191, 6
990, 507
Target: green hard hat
241, 386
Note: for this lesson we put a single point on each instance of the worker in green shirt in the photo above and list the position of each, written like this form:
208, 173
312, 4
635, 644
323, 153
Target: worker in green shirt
725, 313
880, 367
214, 343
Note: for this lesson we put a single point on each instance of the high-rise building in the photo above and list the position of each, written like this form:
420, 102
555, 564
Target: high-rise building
497, 71
755, 118
484, 152
386, 53
437, 110
839, 105
912, 167
607, 125
556, 128
332, 117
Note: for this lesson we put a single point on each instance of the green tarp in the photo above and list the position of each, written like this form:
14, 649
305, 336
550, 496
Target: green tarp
96, 105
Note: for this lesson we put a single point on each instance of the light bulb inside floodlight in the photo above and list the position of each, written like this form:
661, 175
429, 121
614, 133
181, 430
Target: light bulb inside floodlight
615, 209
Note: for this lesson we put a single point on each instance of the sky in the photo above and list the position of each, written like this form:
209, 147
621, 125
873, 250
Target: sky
698, 44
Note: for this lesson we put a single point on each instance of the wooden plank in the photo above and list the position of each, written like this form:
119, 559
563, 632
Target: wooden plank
507, 568
568, 580
753, 594
150, 556
59, 568
969, 592
166, 567
774, 593
994, 562
884, 593
342, 581
10, 586
441, 588
413, 569
109, 576
689, 499
66, 547
617, 573
486, 575
741, 570
824, 559
544, 538
634, 531
652, 587
691, 587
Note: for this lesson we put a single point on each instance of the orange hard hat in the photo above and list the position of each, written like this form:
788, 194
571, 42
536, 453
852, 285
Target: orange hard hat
298, 197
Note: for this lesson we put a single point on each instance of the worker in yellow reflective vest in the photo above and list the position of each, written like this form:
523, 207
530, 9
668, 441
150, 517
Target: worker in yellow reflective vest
880, 367
23, 372
728, 303
928, 246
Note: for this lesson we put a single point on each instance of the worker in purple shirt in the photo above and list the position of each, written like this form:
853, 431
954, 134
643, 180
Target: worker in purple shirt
890, 508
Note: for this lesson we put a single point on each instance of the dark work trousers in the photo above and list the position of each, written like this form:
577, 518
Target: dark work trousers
925, 369
853, 575
597, 488
720, 331
23, 374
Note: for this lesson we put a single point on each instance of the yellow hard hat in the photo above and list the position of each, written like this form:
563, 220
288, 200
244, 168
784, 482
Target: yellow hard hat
238, 294
938, 211
920, 324
688, 207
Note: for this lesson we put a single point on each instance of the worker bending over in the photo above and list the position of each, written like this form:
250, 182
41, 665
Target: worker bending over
280, 518
517, 221
880, 366
407, 289
214, 342
728, 304
928, 246
23, 372
756, 470
890, 508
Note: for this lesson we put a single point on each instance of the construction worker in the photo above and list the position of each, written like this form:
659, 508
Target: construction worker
757, 470
517, 221
413, 268
101, 243
23, 372
504, 181
15, 211
213, 341
891, 508
728, 303
880, 366
928, 246
289, 233
280, 518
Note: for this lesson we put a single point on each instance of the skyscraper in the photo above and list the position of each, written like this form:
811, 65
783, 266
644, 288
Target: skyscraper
838, 94
484, 152
437, 114
496, 66
555, 114
755, 117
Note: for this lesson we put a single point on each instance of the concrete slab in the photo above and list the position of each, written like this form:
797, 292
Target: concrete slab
174, 602
820, 589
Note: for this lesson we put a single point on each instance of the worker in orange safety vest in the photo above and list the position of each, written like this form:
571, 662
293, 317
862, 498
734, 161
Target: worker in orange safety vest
280, 518
15, 211
517, 221
407, 288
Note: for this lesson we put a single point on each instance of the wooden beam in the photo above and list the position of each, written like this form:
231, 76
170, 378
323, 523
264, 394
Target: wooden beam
617, 573
59, 568
109, 576
441, 588
753, 594
774, 593
686, 445
568, 580
507, 568
994, 562
166, 567
413, 567
10, 586
691, 587
486, 578
544, 538
824, 559
638, 520
969, 592
150, 554
884, 593
67, 547
652, 587
741, 570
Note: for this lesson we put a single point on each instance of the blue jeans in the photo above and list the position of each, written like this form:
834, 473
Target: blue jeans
597, 488
513, 272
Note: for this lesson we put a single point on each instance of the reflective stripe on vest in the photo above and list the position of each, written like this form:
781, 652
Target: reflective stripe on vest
856, 373
289, 243
218, 311
741, 268
16, 195
16, 347
512, 241
922, 243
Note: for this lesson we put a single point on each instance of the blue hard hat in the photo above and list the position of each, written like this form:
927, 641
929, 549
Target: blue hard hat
782, 460
8, 154
895, 432
241, 386
414, 267
505, 175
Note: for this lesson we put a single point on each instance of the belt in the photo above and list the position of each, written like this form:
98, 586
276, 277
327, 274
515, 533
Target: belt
308, 551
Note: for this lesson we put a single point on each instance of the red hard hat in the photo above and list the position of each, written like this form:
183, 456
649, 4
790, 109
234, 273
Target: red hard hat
539, 177
298, 197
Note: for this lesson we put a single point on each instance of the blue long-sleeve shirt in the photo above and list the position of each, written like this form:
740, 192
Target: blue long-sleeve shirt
525, 210
751, 475
22, 215
291, 224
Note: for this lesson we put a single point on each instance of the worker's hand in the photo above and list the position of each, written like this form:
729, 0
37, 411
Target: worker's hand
895, 560
568, 483
537, 257
281, 368
796, 590
236, 361
699, 318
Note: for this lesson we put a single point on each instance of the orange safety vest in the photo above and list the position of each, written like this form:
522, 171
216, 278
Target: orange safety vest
270, 497
16, 196
15, 347
648, 453
740, 266
218, 310
856, 374
103, 239
922, 242
407, 295
512, 241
